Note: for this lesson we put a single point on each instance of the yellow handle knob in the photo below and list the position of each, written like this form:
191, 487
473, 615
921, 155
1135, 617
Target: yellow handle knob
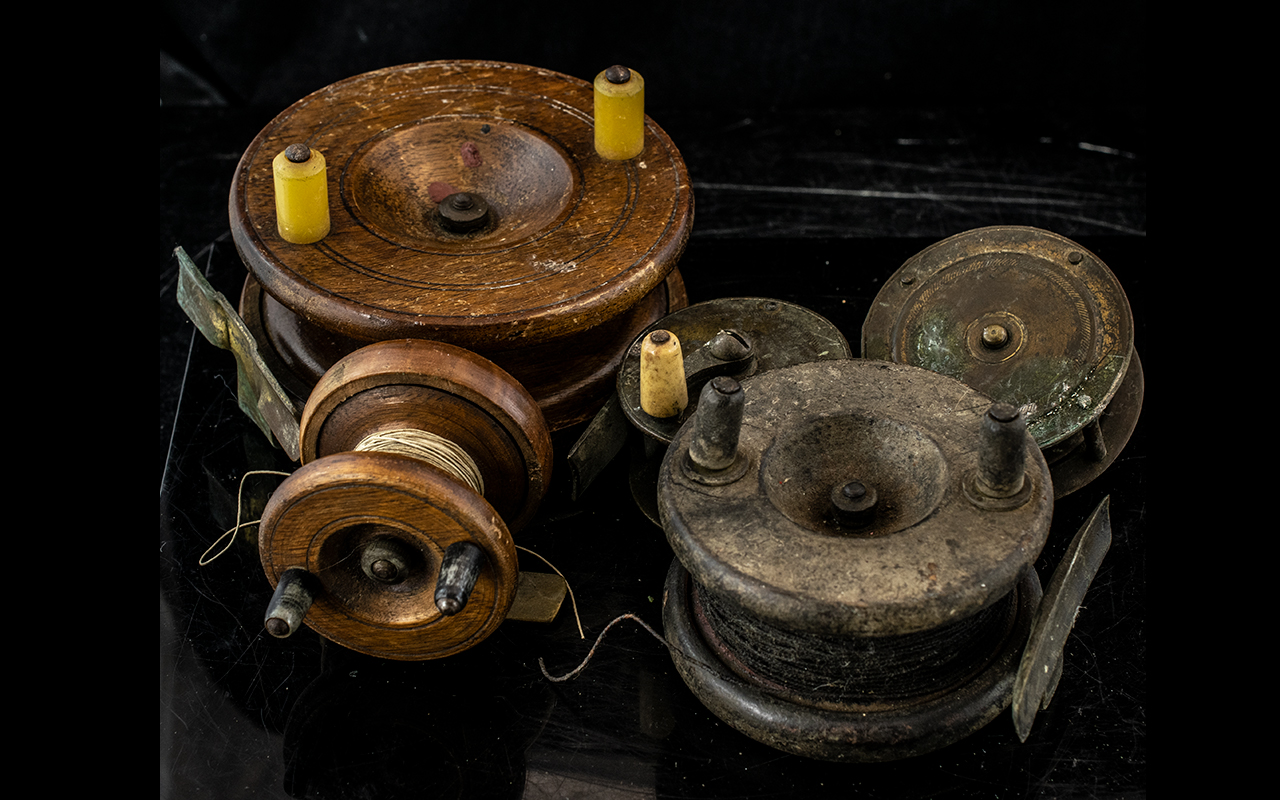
302, 194
619, 113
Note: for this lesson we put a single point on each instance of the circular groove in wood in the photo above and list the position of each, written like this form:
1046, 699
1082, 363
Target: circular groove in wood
425, 384
329, 510
578, 262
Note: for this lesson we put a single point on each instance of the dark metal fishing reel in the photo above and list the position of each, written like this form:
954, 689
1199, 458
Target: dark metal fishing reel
1029, 318
854, 556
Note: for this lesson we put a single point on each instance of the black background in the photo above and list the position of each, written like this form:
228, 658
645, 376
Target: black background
827, 142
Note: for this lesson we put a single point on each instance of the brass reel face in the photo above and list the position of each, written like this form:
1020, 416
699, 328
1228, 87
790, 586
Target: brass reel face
345, 516
340, 516
1026, 317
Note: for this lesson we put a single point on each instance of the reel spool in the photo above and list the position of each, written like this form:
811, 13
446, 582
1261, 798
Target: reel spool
406, 557
854, 547
732, 336
467, 203
1027, 317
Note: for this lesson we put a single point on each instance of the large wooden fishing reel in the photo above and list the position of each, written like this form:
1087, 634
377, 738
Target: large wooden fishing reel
854, 548
472, 203
447, 262
1027, 317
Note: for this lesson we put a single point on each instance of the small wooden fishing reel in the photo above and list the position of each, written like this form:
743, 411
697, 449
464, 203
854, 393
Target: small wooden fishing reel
668, 364
1027, 317
521, 214
854, 547
394, 537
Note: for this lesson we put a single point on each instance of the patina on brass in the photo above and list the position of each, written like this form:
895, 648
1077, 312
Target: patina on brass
261, 396
1027, 317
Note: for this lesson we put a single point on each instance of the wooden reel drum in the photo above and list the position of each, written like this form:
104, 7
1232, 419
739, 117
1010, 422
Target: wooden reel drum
406, 556
467, 204
854, 546
1027, 317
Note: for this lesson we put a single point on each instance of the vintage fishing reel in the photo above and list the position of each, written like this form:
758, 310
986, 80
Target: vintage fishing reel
669, 363
1027, 317
854, 547
480, 204
447, 261
395, 536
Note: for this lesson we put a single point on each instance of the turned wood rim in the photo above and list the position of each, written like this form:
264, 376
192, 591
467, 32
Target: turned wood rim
326, 512
454, 371
637, 238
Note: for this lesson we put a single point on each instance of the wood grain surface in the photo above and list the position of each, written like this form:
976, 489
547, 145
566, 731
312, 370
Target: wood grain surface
327, 512
576, 239
441, 389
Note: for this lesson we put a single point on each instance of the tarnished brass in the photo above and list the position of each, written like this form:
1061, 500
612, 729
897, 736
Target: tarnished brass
260, 394
1026, 317
539, 596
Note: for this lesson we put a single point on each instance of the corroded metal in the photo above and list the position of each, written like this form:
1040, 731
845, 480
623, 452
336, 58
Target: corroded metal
298, 153
463, 212
458, 572
290, 603
1041, 664
1023, 315
261, 396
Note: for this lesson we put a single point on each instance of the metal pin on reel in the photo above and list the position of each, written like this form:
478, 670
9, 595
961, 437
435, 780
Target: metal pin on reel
854, 548
1027, 317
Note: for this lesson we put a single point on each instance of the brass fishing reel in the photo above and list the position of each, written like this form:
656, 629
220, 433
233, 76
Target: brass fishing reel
1026, 317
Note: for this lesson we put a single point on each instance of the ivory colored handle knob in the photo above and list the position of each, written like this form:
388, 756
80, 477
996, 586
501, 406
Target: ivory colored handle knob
663, 392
